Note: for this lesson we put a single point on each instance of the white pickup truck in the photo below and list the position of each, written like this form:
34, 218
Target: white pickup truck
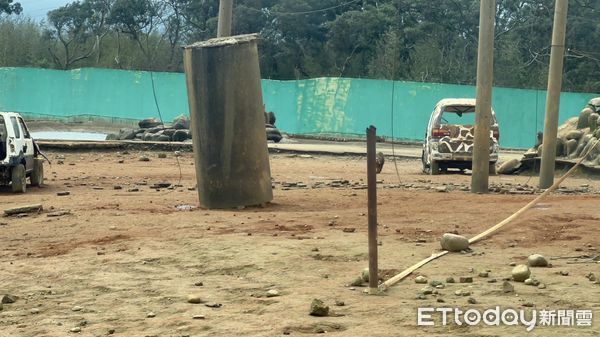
19, 155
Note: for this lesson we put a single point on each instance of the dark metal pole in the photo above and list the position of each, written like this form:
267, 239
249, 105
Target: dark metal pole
372, 195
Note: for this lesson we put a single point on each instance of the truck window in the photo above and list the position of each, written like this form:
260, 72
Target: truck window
24, 128
15, 125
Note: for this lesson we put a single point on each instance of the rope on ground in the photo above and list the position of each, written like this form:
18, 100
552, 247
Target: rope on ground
410, 270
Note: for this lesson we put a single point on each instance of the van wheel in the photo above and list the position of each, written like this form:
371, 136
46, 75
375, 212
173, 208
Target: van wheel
434, 167
18, 179
37, 175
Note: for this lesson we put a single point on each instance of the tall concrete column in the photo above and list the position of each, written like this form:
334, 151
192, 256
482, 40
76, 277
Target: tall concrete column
225, 14
553, 98
483, 110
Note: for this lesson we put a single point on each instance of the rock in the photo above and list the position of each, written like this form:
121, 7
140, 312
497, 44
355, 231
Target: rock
36, 208
584, 118
507, 287
75, 329
484, 274
318, 308
8, 299
560, 147
591, 276
509, 167
63, 193
420, 279
541, 286
492, 280
213, 305
462, 292
454, 243
111, 331
199, 284
593, 122
181, 135
520, 273
436, 283
181, 122
77, 308
421, 296
34, 311
365, 274
575, 134
466, 279
162, 155
528, 304
340, 303
471, 300
149, 123
150, 315
198, 317
450, 280
357, 282
426, 290
112, 136
532, 282
512, 264
537, 260
570, 147
564, 273
127, 134
194, 299
163, 138
144, 158
272, 293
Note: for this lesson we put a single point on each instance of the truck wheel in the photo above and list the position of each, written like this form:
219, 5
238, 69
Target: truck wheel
434, 167
18, 179
492, 169
37, 175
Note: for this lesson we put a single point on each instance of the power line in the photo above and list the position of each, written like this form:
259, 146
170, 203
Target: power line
265, 10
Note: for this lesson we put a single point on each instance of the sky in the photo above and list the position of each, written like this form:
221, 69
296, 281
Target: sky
37, 9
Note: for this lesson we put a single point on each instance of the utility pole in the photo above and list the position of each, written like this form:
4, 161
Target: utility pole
553, 97
483, 109
225, 14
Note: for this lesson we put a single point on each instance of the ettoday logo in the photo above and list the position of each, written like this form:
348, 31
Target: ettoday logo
498, 316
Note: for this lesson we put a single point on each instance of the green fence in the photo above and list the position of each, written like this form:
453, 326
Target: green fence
324, 105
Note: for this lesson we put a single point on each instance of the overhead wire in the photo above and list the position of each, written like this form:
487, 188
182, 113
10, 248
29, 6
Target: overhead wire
304, 12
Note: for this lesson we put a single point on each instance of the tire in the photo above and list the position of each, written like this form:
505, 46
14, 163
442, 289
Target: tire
434, 166
18, 179
37, 175
492, 169
424, 162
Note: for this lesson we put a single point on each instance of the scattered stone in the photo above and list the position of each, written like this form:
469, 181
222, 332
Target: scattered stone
421, 296
440, 300
272, 293
77, 308
198, 317
194, 299
564, 273
349, 230
318, 308
454, 243
58, 214
520, 273
450, 280
118, 187
466, 279
484, 274
421, 279
150, 315
537, 260
493, 280
357, 282
507, 287
34, 311
528, 304
75, 329
471, 300
340, 303
462, 292
512, 264
532, 282
8, 299
541, 286
365, 274
162, 155
199, 284
63, 193
427, 291
213, 305
36, 208
436, 283
591, 276
144, 158
111, 331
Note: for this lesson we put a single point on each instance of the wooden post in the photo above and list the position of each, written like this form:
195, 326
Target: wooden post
483, 109
553, 98
225, 14
372, 196
228, 122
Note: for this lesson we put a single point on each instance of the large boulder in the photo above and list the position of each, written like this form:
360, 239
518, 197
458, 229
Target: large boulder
127, 134
181, 123
593, 121
584, 118
181, 135
575, 134
509, 167
454, 243
112, 136
560, 147
149, 123
571, 147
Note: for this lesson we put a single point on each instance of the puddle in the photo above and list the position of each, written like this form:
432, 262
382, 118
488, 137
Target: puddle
68, 135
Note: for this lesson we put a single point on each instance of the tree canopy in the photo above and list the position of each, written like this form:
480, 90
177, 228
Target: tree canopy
415, 40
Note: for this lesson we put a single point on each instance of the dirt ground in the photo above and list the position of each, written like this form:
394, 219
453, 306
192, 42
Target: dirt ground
121, 255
